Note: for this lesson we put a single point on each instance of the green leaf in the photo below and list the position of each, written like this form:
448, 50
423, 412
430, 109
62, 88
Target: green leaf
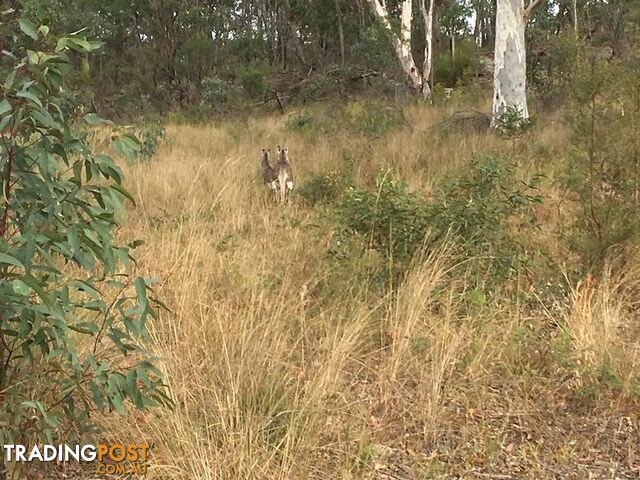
97, 396
44, 30
79, 329
93, 119
28, 28
8, 83
87, 288
61, 45
122, 191
95, 45
20, 287
80, 43
27, 94
5, 122
36, 287
9, 260
5, 107
141, 291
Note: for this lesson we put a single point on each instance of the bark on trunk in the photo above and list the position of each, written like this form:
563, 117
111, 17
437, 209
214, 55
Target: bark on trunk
427, 17
294, 30
401, 43
477, 28
510, 58
340, 31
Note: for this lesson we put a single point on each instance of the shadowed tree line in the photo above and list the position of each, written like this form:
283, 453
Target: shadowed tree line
168, 54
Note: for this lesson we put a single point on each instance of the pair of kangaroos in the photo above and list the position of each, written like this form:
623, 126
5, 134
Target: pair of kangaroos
279, 178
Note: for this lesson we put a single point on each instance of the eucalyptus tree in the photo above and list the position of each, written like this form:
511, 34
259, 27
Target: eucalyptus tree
418, 77
72, 317
510, 57
453, 22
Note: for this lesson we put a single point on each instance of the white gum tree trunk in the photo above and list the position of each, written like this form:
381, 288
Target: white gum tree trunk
510, 71
402, 42
427, 17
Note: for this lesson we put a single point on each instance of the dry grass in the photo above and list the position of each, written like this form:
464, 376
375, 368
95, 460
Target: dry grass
273, 379
602, 323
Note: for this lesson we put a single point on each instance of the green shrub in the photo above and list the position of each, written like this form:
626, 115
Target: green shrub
453, 71
216, 91
69, 311
603, 171
388, 219
488, 211
511, 123
551, 60
371, 118
325, 188
318, 87
151, 138
484, 212
366, 117
252, 80
374, 48
299, 122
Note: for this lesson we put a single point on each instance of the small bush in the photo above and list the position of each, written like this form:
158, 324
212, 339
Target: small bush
512, 123
216, 91
299, 122
603, 172
371, 118
150, 140
374, 49
252, 80
453, 71
388, 219
72, 318
318, 87
324, 188
484, 212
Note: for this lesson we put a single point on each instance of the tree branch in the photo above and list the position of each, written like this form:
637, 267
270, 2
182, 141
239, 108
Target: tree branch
7, 193
531, 7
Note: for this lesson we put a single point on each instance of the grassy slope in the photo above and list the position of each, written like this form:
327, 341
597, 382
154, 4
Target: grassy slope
277, 376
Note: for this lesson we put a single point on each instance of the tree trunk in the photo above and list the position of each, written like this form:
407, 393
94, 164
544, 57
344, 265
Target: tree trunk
340, 31
401, 43
427, 17
281, 42
575, 16
294, 29
361, 16
478, 30
510, 69
453, 46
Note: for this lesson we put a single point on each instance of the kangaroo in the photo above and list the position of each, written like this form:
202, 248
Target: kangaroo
269, 176
284, 173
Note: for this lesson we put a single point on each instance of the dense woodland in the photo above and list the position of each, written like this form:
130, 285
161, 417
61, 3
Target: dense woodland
449, 288
167, 54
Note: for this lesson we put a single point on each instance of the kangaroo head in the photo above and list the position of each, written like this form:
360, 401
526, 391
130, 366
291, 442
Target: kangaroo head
283, 154
265, 156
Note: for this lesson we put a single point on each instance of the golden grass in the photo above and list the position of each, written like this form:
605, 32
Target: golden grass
602, 323
271, 380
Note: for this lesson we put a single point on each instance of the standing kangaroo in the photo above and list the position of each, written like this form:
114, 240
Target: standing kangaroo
269, 176
284, 174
